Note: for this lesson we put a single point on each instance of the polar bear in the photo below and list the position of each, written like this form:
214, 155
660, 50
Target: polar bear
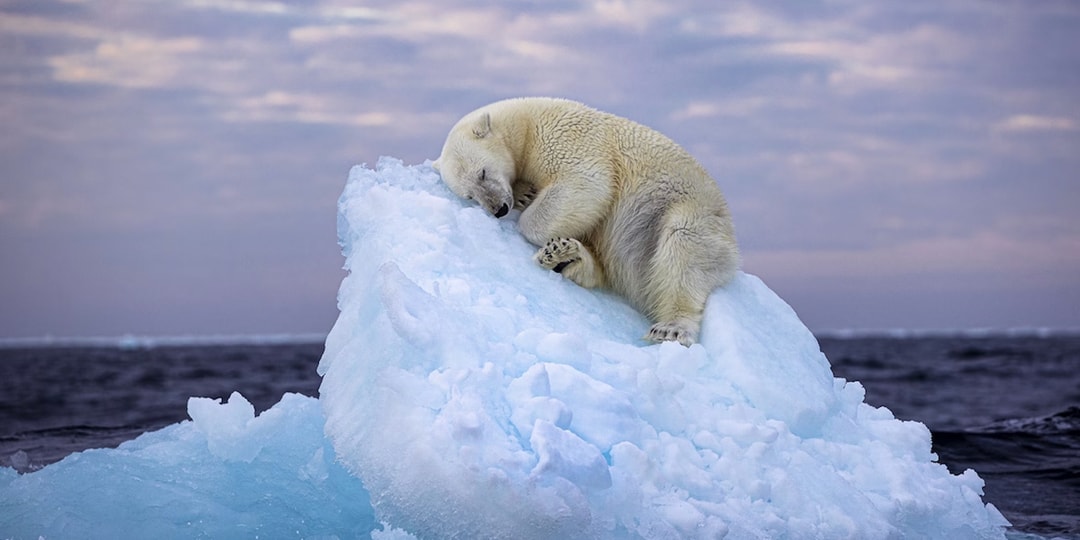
611, 203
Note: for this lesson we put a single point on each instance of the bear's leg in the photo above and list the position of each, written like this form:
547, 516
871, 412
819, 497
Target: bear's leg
563, 210
572, 259
686, 267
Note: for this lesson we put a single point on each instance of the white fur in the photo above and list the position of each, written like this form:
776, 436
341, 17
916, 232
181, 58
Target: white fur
612, 203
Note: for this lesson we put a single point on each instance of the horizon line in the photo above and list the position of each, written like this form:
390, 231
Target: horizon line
132, 341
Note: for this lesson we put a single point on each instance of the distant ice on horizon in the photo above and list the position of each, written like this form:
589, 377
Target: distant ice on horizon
132, 341
468, 393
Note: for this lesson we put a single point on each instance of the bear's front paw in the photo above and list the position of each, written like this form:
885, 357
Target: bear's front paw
525, 199
559, 253
680, 331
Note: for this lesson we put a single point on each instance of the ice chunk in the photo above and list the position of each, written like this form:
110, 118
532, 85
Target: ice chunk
226, 474
477, 395
561, 453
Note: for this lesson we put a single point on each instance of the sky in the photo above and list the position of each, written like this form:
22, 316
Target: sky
172, 167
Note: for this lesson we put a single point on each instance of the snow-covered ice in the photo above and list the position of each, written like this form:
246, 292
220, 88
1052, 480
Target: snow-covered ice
225, 474
477, 394
468, 393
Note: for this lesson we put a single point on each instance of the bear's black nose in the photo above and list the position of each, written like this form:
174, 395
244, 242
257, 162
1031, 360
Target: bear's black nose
503, 210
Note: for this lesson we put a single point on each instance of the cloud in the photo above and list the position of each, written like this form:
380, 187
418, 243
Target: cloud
326, 33
1023, 123
983, 255
311, 108
737, 106
281, 9
637, 15
915, 58
242, 76
14, 24
243, 6
852, 138
129, 62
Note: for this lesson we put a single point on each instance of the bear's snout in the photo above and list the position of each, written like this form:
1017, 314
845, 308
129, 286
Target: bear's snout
502, 211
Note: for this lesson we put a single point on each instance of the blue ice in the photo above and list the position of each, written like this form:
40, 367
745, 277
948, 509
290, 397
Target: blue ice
468, 393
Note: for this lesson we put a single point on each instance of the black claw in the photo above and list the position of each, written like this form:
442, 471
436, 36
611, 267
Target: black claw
561, 266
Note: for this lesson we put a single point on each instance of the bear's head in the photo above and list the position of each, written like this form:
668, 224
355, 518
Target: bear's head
476, 164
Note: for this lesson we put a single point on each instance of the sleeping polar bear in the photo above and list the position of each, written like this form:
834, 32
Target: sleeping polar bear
610, 202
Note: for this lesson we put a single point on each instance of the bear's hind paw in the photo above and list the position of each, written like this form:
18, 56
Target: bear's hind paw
680, 331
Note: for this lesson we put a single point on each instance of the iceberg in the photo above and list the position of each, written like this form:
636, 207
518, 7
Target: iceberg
478, 395
468, 393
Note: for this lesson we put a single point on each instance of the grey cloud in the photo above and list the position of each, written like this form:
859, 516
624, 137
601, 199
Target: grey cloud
199, 146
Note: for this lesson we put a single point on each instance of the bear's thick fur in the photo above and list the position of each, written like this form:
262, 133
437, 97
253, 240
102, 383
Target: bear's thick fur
610, 202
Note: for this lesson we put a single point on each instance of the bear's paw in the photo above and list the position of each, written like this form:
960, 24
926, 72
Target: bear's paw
681, 331
525, 199
559, 253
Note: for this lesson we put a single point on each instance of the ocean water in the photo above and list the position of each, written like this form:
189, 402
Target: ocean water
1006, 406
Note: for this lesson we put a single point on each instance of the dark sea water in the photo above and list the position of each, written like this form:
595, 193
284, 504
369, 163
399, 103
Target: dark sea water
1006, 406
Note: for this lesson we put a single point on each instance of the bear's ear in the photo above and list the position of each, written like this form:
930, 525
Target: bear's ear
483, 126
